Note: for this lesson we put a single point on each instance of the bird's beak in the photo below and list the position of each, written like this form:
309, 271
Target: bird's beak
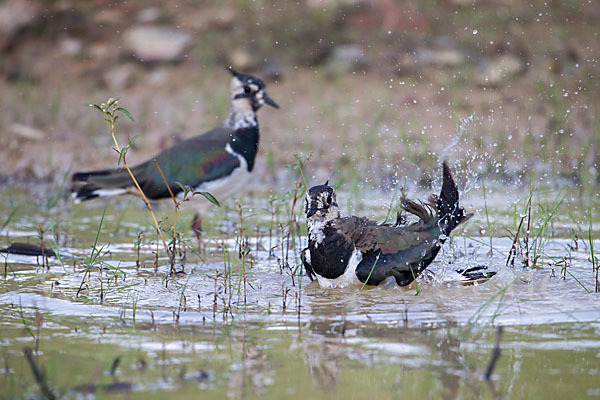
270, 101
311, 211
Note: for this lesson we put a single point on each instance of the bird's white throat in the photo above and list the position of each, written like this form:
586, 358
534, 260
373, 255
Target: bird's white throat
315, 231
316, 225
241, 119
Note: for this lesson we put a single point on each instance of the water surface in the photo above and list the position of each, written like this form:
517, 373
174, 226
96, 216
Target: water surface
205, 331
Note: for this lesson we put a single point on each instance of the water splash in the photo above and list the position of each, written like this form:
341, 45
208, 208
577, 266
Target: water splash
468, 163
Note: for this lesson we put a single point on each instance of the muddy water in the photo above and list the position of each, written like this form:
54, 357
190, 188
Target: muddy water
208, 332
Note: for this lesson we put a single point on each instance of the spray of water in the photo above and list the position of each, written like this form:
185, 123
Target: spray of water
468, 163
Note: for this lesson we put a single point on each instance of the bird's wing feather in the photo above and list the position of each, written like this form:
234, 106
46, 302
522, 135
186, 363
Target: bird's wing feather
368, 235
359, 231
191, 162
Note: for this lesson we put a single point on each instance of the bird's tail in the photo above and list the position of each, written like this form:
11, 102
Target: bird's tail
449, 212
103, 183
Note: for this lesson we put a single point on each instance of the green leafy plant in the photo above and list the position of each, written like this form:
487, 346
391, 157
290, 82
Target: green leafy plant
112, 111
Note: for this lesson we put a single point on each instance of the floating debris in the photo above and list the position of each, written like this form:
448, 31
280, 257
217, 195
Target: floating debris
26, 249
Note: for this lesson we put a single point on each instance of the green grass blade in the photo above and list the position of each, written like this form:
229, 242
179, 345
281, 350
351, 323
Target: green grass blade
209, 197
127, 113
93, 257
11, 215
371, 271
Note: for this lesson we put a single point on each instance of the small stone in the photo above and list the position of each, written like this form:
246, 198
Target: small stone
158, 77
222, 17
499, 71
70, 46
27, 132
242, 60
148, 15
406, 64
461, 3
120, 77
156, 44
107, 16
346, 58
14, 15
445, 58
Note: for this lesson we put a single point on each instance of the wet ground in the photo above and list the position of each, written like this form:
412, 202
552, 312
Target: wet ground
118, 324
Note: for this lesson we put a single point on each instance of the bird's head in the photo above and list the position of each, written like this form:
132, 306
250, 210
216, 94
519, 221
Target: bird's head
320, 204
248, 91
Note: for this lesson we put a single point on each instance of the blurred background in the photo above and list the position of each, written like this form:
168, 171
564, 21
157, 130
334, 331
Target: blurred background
377, 90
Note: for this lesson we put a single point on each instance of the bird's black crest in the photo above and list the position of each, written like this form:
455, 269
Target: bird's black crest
319, 188
233, 71
246, 78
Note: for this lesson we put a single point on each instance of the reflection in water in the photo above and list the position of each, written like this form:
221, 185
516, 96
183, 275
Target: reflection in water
332, 346
451, 370
436, 350
322, 359
250, 376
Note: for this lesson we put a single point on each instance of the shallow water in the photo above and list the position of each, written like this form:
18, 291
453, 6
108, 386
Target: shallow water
203, 332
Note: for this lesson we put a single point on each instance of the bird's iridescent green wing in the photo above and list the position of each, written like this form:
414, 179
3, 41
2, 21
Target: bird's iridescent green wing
191, 162
368, 235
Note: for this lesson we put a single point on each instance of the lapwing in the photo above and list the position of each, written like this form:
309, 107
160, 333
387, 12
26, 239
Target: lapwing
219, 161
352, 250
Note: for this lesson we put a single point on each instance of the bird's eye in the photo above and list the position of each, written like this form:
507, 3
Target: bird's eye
246, 89
328, 199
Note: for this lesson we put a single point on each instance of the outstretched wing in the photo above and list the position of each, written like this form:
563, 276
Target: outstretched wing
398, 251
420, 234
369, 236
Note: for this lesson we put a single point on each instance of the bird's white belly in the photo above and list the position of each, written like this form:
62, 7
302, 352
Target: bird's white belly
225, 187
348, 278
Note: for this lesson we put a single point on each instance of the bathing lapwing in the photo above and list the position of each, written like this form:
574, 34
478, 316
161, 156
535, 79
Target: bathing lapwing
219, 161
353, 250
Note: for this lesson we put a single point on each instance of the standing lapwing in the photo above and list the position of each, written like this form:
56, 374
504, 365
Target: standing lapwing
348, 250
218, 161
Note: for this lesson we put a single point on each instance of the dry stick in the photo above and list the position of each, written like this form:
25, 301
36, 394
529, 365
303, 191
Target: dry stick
495, 355
299, 290
282, 249
41, 234
111, 125
257, 238
301, 183
528, 228
243, 254
242, 245
272, 211
101, 285
38, 376
225, 272
175, 217
595, 265
139, 244
215, 295
113, 366
596, 268
513, 249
